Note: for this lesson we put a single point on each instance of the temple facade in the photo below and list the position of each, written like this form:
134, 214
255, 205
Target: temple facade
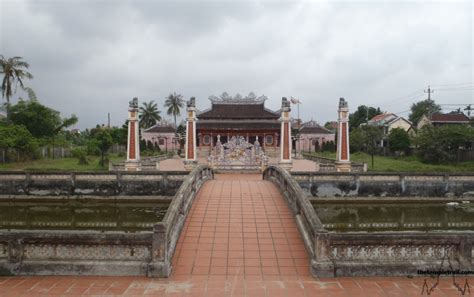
238, 116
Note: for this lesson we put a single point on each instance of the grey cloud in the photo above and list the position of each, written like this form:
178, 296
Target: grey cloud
91, 57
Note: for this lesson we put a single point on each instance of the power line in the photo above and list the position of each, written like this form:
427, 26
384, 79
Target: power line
456, 90
457, 84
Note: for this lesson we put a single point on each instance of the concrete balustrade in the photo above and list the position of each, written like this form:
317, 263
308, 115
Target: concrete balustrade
90, 183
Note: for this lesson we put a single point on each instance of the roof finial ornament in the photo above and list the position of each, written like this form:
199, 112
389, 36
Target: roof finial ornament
225, 98
191, 102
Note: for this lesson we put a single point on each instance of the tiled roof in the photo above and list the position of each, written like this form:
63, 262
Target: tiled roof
383, 117
312, 127
315, 130
238, 111
449, 117
236, 126
161, 129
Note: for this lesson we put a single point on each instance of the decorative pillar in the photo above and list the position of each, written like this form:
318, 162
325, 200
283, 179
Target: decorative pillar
133, 141
190, 153
343, 163
285, 134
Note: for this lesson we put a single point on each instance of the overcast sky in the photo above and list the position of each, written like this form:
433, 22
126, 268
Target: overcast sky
92, 57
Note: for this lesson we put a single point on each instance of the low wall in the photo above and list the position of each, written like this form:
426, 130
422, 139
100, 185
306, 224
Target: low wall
40, 252
91, 183
378, 253
146, 163
385, 184
329, 165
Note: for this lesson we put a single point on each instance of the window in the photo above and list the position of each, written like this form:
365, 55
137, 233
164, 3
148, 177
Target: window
161, 141
269, 139
206, 140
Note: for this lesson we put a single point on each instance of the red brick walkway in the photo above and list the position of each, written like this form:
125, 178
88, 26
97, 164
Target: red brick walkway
239, 240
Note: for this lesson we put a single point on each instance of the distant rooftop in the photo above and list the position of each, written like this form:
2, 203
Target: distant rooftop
161, 128
312, 127
449, 118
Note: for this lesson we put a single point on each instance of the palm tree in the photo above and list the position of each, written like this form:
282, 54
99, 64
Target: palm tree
149, 114
14, 71
174, 102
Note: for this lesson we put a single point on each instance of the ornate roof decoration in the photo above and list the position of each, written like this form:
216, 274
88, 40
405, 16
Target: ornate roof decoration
225, 98
311, 124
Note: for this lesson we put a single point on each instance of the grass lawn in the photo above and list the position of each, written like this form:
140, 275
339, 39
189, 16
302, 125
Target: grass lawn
68, 164
402, 164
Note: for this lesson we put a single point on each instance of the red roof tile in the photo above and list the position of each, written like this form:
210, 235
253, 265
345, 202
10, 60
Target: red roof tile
449, 117
238, 111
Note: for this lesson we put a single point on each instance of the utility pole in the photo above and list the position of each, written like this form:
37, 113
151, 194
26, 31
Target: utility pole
430, 91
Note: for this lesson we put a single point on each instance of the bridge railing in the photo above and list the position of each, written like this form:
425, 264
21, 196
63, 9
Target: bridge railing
307, 221
166, 233
373, 253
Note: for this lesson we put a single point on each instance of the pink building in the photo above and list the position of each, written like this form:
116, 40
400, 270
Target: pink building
163, 135
312, 136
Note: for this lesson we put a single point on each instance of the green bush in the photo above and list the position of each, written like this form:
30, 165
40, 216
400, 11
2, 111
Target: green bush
80, 154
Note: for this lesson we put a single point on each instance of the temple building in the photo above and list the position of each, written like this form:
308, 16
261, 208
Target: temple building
162, 134
313, 136
238, 116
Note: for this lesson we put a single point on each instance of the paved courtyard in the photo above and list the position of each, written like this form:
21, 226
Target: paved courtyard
239, 240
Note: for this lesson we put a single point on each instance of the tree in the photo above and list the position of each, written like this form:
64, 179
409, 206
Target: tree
420, 108
399, 140
174, 102
31, 94
14, 72
373, 136
360, 116
104, 141
357, 140
441, 144
40, 120
119, 135
18, 138
149, 114
181, 136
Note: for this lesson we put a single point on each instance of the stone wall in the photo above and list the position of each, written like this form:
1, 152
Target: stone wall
91, 183
386, 184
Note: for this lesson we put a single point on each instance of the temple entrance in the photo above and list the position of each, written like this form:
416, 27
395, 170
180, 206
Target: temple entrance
237, 154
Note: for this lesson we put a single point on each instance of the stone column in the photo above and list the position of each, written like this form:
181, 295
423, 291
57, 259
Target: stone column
285, 134
190, 153
133, 141
343, 163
